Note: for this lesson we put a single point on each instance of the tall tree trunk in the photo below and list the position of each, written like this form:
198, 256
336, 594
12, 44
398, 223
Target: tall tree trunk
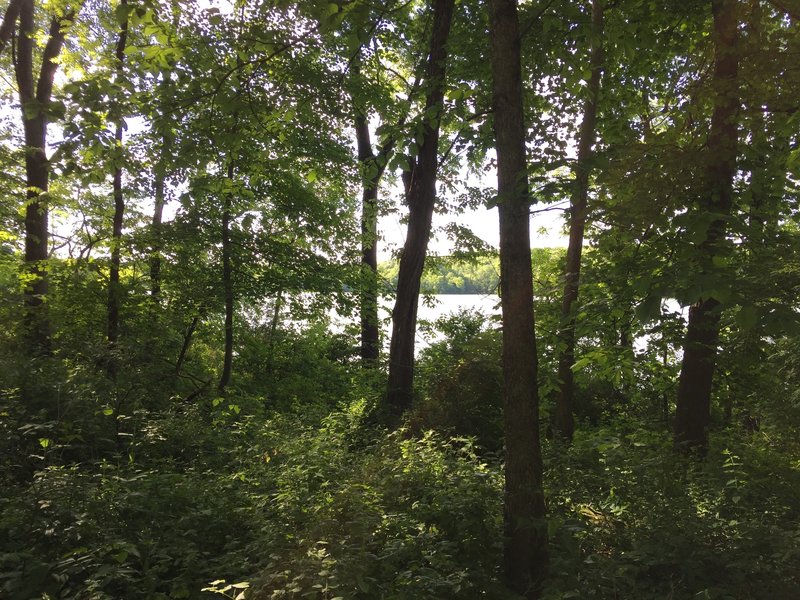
273, 329
159, 186
113, 303
421, 196
768, 148
525, 552
373, 166
227, 284
165, 95
371, 173
693, 407
563, 421
34, 102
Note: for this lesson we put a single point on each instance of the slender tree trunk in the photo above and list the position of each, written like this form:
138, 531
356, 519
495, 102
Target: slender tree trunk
769, 148
665, 396
373, 167
525, 549
9, 23
34, 101
563, 421
227, 284
155, 227
421, 198
188, 337
370, 330
165, 95
693, 406
273, 329
113, 304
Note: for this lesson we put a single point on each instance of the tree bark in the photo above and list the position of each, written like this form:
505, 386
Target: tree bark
373, 167
525, 551
188, 337
693, 407
35, 102
372, 172
159, 186
165, 95
9, 22
421, 198
227, 284
563, 421
273, 329
114, 294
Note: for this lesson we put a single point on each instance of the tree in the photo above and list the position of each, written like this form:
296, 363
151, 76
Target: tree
35, 100
227, 281
524, 508
373, 166
421, 198
563, 422
372, 171
693, 407
270, 217
163, 125
113, 305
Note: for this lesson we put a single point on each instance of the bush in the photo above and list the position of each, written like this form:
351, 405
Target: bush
631, 519
414, 518
461, 382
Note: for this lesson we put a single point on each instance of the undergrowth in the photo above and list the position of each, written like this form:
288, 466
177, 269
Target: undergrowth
297, 506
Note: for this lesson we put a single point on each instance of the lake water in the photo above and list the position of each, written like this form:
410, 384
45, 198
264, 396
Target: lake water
432, 308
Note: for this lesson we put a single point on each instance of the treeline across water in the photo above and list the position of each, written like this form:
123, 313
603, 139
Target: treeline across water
471, 275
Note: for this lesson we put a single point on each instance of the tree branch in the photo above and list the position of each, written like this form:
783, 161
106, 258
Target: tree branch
58, 26
9, 19
534, 18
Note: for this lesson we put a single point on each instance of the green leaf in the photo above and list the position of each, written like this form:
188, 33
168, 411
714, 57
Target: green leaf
31, 109
649, 308
122, 11
747, 317
581, 364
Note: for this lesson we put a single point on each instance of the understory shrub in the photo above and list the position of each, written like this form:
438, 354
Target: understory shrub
407, 517
630, 518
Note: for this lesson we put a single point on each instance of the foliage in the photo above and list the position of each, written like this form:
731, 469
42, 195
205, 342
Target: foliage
460, 381
308, 501
152, 484
400, 518
631, 519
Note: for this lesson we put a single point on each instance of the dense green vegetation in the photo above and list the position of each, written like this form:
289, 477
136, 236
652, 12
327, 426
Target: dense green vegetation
190, 192
133, 493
